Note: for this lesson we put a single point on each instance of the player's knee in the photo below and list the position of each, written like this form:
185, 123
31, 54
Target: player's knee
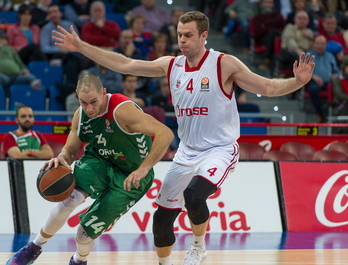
162, 227
75, 199
196, 206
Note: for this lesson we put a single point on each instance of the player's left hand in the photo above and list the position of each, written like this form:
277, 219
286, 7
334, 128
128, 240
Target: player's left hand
303, 68
134, 178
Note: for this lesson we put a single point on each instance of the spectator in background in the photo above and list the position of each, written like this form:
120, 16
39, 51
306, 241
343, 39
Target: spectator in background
39, 13
300, 5
124, 6
324, 72
78, 12
129, 84
12, 69
126, 45
159, 47
268, 24
340, 89
296, 38
170, 29
331, 32
111, 79
340, 10
24, 142
143, 40
24, 37
72, 62
5, 5
99, 31
154, 16
239, 13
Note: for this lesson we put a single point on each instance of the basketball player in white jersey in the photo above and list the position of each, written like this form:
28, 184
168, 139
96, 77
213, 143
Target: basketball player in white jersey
201, 84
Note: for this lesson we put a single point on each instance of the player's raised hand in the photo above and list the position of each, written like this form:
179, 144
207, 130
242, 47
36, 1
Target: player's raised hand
64, 39
303, 68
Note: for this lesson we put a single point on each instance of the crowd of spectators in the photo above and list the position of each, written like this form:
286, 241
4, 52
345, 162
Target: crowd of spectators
151, 33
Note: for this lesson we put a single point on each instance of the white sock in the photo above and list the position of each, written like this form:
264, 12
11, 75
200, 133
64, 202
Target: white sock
84, 245
198, 241
40, 240
60, 213
164, 261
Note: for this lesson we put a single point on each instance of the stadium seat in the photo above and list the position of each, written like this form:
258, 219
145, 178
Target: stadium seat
25, 95
301, 151
2, 98
255, 47
250, 151
56, 147
48, 74
326, 155
157, 112
119, 18
8, 17
278, 156
339, 146
169, 154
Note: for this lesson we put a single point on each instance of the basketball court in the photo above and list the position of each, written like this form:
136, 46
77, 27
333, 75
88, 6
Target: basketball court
290, 248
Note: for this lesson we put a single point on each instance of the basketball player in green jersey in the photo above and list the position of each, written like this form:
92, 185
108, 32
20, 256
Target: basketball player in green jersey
115, 170
25, 142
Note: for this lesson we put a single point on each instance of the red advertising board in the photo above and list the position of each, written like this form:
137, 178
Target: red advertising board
315, 195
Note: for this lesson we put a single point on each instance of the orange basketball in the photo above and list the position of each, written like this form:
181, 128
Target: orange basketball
55, 184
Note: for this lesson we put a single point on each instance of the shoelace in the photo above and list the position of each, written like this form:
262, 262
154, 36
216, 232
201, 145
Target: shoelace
26, 253
193, 255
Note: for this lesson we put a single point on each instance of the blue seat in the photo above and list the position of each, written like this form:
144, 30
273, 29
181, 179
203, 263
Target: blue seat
25, 94
48, 74
2, 98
109, 7
8, 17
119, 18
55, 105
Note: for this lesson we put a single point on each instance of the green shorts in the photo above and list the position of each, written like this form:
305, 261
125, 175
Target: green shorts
104, 182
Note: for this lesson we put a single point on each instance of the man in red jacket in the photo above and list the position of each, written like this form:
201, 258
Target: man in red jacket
99, 31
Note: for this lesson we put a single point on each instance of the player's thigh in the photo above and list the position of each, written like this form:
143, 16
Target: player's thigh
91, 174
112, 203
174, 183
216, 166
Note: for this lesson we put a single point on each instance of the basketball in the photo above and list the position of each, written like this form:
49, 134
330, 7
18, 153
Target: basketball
55, 184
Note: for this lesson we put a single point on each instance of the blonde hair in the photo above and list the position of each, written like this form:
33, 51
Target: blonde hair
89, 82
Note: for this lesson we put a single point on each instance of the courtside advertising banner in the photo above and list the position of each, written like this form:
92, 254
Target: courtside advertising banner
246, 202
5, 201
315, 195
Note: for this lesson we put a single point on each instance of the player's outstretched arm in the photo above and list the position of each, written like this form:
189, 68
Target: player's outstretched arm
238, 72
112, 60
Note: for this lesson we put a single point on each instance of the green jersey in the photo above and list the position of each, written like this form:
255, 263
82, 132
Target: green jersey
108, 140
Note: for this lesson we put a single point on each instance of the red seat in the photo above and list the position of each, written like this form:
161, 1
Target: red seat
279, 71
250, 151
157, 112
301, 151
56, 147
255, 47
81, 151
278, 156
339, 146
326, 155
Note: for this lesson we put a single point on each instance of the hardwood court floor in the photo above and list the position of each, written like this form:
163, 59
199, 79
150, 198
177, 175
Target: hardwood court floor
330, 248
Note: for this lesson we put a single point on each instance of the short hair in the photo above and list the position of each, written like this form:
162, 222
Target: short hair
96, 3
21, 107
23, 9
89, 82
136, 16
124, 77
202, 21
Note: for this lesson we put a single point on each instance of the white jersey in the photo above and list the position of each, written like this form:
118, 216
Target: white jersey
206, 115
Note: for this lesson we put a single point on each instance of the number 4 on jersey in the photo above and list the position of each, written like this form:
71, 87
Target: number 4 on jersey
212, 171
190, 86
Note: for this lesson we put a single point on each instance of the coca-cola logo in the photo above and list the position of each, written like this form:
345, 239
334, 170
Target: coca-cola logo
332, 201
